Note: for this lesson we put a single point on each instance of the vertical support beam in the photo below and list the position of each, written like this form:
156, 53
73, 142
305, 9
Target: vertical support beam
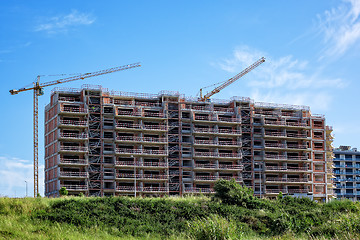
36, 142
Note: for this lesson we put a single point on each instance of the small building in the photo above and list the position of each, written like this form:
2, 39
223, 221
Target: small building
347, 173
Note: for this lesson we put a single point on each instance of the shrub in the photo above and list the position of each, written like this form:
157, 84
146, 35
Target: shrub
63, 191
230, 192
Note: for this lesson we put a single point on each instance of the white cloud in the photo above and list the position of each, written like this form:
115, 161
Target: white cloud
62, 24
340, 28
13, 174
282, 80
285, 72
318, 101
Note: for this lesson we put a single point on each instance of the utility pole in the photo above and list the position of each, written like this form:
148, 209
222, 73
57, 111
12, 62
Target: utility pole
26, 188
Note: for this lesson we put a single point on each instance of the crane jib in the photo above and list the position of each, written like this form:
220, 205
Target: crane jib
231, 80
38, 91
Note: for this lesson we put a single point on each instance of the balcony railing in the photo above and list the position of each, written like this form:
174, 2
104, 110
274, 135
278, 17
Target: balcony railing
73, 122
228, 166
218, 143
282, 168
74, 174
73, 109
73, 148
141, 139
290, 180
75, 187
199, 190
143, 127
154, 114
289, 135
291, 146
139, 164
214, 178
74, 135
73, 161
220, 109
206, 165
69, 99
141, 189
282, 157
286, 191
215, 154
142, 176
215, 131
141, 151
220, 166
284, 123
225, 119
128, 113
277, 157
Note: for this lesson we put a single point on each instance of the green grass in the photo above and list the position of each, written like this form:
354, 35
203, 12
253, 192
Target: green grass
176, 218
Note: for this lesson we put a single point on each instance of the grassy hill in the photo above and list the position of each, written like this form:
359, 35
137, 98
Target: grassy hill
176, 218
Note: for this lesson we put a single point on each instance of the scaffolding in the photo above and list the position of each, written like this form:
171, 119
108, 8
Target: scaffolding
118, 143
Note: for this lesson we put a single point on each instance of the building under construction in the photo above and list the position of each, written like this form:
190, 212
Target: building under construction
109, 143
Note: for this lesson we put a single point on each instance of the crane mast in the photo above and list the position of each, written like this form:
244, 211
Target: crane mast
207, 96
38, 91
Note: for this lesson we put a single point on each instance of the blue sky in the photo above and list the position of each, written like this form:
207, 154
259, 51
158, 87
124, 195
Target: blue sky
311, 47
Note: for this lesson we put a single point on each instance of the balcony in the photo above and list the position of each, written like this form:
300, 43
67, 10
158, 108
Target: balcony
142, 189
73, 174
230, 167
214, 178
73, 123
154, 115
284, 123
285, 169
141, 139
216, 155
285, 135
139, 164
218, 143
204, 118
73, 162
141, 127
69, 99
142, 176
121, 151
75, 187
217, 167
199, 190
226, 110
73, 110
73, 149
229, 120
217, 131
288, 180
128, 113
285, 158
80, 136
286, 191
145, 114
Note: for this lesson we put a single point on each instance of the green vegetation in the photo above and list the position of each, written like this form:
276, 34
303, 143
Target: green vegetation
63, 191
233, 213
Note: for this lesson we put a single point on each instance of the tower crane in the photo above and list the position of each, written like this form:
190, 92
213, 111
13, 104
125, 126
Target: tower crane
207, 96
38, 91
